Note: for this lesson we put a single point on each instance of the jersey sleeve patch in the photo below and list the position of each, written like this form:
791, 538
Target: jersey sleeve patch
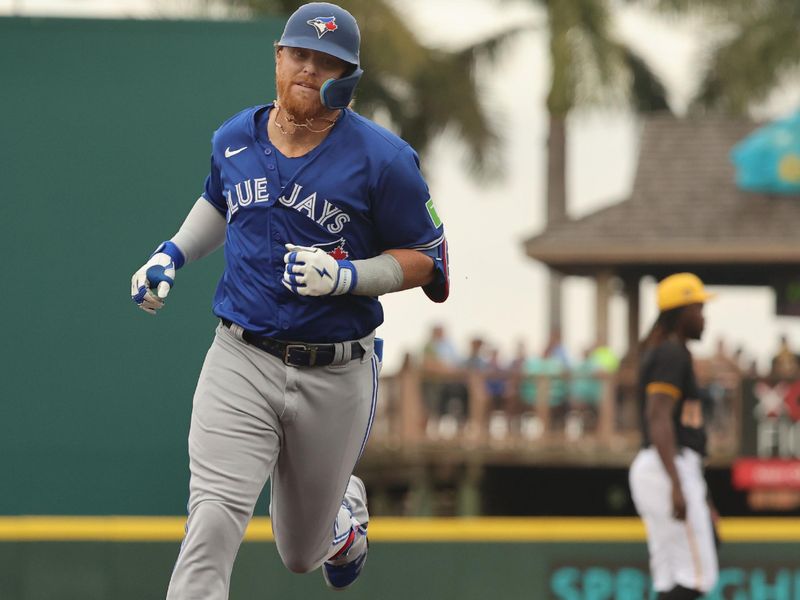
659, 387
437, 222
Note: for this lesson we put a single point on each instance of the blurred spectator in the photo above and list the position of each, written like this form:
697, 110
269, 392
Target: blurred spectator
500, 400
520, 354
518, 411
604, 359
476, 358
626, 401
555, 350
496, 381
445, 398
517, 370
722, 380
479, 407
784, 363
548, 372
585, 389
439, 353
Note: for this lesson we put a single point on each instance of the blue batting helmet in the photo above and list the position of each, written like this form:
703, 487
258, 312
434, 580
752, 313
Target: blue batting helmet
330, 29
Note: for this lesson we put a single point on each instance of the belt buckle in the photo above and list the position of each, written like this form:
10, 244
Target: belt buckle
312, 355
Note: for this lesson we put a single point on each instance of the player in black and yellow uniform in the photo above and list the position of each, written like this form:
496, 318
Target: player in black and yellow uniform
666, 478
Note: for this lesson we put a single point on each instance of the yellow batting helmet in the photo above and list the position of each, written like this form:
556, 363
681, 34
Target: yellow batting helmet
681, 289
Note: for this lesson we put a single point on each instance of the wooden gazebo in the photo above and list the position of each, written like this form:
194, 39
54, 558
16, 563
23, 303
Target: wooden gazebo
685, 212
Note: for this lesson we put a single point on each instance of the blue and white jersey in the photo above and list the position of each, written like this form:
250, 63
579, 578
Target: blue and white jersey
357, 194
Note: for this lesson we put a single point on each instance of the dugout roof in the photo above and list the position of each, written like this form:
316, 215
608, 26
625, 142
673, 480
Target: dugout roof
684, 213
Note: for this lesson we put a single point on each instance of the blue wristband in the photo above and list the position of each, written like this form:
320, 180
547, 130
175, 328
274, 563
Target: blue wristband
346, 265
173, 252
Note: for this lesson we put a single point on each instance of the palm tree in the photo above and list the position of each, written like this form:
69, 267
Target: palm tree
757, 48
589, 66
423, 90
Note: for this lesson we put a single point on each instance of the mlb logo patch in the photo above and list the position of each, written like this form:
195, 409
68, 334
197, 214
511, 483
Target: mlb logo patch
323, 25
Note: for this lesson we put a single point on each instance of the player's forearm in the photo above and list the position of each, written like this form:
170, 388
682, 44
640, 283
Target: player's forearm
664, 443
376, 276
391, 271
417, 267
202, 232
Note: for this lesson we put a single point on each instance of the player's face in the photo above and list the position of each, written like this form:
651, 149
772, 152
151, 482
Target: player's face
299, 74
693, 321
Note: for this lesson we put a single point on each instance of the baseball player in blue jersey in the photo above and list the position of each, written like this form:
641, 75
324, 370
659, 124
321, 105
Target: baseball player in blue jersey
320, 211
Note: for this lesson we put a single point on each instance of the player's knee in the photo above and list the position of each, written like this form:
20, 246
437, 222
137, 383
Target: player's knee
299, 564
218, 522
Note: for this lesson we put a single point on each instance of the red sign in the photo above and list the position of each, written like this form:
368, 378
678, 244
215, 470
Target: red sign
749, 473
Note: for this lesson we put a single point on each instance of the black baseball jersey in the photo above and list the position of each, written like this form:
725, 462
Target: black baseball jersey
667, 368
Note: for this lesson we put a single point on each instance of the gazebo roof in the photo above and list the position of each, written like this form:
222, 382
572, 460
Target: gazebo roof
685, 211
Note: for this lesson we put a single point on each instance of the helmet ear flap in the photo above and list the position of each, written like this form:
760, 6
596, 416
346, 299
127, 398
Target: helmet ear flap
337, 93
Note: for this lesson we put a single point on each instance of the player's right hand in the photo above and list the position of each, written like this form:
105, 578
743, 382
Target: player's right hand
157, 274
678, 503
311, 271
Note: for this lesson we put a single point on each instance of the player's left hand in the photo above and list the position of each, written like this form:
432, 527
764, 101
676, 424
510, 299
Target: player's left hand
313, 272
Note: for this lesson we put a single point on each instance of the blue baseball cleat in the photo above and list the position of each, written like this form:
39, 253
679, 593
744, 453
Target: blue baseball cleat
340, 575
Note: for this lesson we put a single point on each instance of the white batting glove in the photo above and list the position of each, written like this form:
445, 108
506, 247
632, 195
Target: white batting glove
313, 272
157, 274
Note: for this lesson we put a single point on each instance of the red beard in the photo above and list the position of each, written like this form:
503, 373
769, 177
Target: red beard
301, 108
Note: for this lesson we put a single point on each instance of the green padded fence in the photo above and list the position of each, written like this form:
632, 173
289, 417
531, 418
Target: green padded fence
105, 130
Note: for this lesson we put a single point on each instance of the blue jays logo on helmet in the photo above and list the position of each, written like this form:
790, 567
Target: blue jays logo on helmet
323, 25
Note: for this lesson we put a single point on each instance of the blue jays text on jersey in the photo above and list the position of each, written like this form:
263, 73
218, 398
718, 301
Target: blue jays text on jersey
359, 193
249, 191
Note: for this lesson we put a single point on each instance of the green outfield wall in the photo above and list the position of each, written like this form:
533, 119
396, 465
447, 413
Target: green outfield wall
436, 559
105, 130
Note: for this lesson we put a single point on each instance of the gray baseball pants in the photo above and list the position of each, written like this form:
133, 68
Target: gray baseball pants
254, 417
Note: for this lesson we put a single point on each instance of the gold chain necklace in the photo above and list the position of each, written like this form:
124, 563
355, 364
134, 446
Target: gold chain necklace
307, 124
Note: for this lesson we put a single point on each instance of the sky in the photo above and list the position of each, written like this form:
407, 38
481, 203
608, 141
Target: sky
497, 293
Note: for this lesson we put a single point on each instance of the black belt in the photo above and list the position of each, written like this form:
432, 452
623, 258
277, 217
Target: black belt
297, 354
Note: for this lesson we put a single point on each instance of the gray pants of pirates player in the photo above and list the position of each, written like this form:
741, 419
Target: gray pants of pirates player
255, 418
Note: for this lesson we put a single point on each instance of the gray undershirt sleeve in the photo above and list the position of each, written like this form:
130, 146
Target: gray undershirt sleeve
378, 275
202, 232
